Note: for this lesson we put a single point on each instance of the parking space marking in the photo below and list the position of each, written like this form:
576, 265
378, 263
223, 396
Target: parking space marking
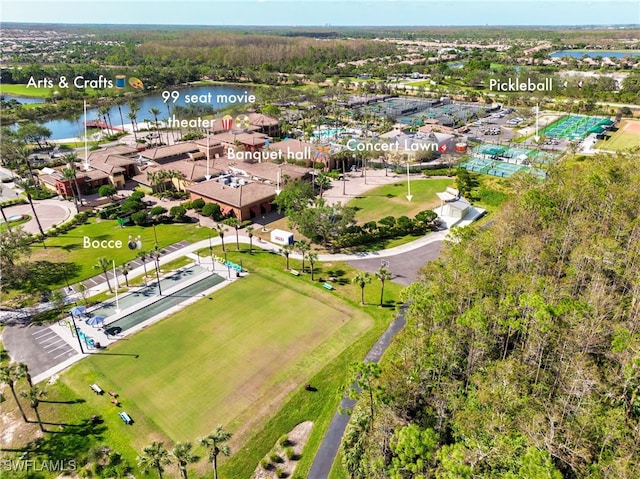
55, 337
63, 345
44, 332
68, 352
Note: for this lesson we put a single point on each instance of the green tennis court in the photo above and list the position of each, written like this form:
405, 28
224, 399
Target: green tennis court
577, 127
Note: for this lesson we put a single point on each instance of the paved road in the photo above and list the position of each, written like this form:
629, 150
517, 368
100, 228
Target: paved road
404, 267
328, 450
50, 213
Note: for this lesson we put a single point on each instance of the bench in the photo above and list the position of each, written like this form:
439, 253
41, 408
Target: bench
327, 286
125, 418
294, 272
96, 389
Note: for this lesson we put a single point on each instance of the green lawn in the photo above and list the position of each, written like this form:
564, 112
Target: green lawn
390, 200
223, 360
69, 247
23, 90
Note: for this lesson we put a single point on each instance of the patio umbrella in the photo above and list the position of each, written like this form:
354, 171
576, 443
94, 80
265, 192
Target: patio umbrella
77, 310
95, 320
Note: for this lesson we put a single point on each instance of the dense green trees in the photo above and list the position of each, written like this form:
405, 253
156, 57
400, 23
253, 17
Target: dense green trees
521, 355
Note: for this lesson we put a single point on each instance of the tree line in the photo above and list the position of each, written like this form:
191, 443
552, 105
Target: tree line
521, 354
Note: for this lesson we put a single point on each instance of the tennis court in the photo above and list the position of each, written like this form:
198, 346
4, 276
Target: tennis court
576, 127
498, 168
510, 154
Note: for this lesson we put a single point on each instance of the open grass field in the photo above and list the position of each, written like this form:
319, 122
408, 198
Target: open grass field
69, 247
390, 200
23, 90
223, 360
627, 136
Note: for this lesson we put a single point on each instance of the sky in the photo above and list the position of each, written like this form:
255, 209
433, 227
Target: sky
325, 12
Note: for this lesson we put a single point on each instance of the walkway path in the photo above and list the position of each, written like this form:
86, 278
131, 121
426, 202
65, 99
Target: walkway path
328, 450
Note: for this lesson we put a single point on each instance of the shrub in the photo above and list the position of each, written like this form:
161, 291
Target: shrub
139, 218
266, 464
197, 204
212, 210
178, 212
284, 441
291, 454
281, 472
275, 458
136, 195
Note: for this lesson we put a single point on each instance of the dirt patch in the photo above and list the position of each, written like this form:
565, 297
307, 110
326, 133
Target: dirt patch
631, 126
296, 440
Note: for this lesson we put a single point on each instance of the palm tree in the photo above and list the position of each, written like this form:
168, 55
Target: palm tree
69, 175
124, 269
249, 230
34, 394
312, 257
182, 454
132, 116
286, 251
216, 444
220, 229
304, 248
154, 456
382, 274
362, 279
104, 264
235, 224
155, 112
11, 374
143, 255
121, 117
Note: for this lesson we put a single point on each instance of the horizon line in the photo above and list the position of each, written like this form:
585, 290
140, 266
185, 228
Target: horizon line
328, 26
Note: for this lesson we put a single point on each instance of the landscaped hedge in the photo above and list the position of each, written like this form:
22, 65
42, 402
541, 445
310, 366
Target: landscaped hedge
388, 227
13, 201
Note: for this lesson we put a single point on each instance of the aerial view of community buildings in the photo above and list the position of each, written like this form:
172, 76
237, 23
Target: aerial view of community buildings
320, 252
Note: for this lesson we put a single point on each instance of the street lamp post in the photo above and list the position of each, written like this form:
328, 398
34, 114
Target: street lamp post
156, 257
75, 328
155, 235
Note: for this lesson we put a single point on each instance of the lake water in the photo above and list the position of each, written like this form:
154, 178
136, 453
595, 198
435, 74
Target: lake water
23, 100
75, 127
595, 53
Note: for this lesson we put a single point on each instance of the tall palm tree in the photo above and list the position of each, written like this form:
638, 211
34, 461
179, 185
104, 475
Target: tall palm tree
220, 229
69, 174
234, 223
383, 274
104, 264
34, 394
35, 215
121, 117
132, 116
102, 115
312, 257
361, 279
11, 374
182, 454
303, 247
143, 255
155, 112
124, 269
286, 251
249, 230
216, 444
155, 456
